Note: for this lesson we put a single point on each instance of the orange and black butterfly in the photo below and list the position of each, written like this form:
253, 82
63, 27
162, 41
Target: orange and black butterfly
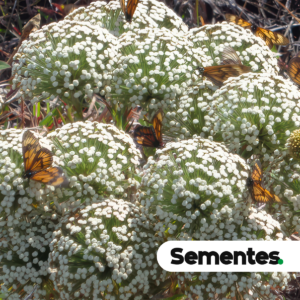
38, 163
257, 192
150, 136
268, 36
129, 9
294, 69
231, 66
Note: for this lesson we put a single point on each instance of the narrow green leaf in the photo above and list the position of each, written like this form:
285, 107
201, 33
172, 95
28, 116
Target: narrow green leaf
48, 120
38, 109
4, 65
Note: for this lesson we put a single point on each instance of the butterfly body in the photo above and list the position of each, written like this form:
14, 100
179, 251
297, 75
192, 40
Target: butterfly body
129, 9
253, 28
38, 163
271, 38
28, 174
257, 192
231, 67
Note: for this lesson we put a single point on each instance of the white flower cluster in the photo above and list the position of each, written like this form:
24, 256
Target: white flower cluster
196, 188
164, 16
150, 69
105, 251
98, 158
256, 113
251, 50
66, 59
24, 258
284, 176
187, 115
108, 16
150, 14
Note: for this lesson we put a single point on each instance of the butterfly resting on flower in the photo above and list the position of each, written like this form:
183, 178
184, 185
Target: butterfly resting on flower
38, 163
257, 192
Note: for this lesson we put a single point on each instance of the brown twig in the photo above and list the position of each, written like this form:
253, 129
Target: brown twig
297, 19
243, 8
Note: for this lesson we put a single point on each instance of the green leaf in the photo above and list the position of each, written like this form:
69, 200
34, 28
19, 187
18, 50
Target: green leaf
149, 151
48, 120
4, 65
274, 49
38, 109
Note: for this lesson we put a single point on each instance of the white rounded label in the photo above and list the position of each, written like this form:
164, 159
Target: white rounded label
230, 256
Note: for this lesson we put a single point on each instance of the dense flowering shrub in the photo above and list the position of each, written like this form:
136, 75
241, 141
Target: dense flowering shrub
24, 252
98, 157
66, 59
256, 113
105, 250
98, 237
188, 115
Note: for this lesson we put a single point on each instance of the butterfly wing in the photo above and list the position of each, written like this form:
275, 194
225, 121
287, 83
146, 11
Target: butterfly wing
294, 69
35, 157
130, 9
257, 173
230, 57
219, 74
52, 176
237, 20
259, 194
271, 37
146, 136
276, 199
30, 147
123, 7
157, 125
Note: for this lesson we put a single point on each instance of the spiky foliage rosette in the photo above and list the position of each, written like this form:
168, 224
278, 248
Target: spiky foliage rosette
105, 251
151, 14
24, 254
150, 68
195, 187
187, 115
67, 59
256, 113
252, 50
99, 159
